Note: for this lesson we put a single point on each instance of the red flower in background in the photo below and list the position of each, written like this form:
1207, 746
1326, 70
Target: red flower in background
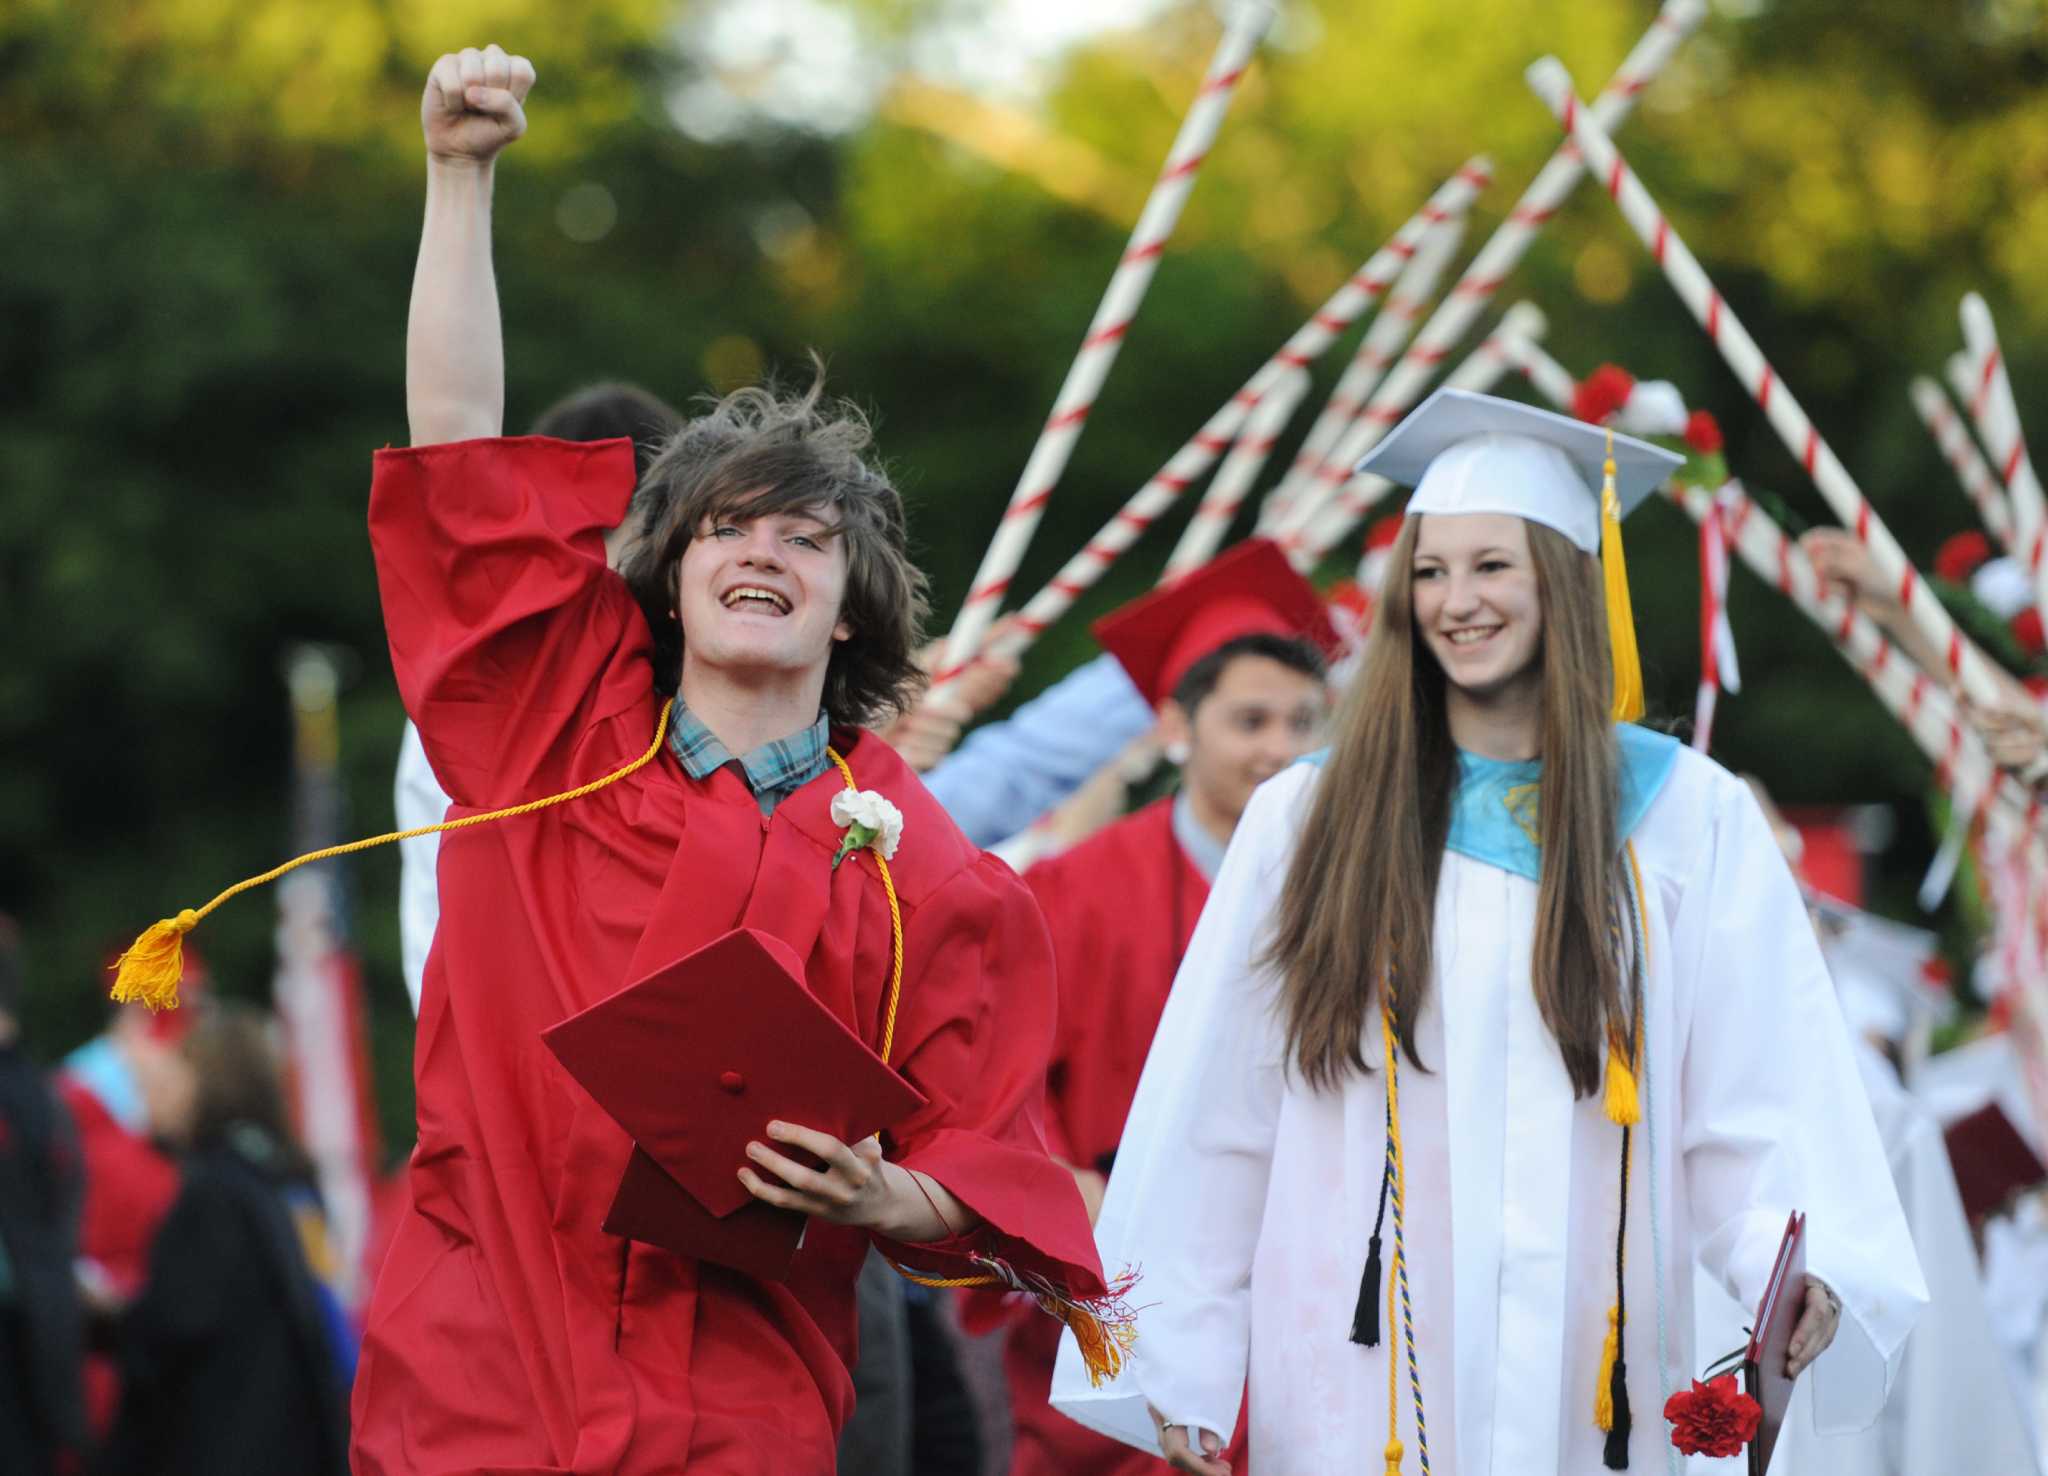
1383, 533
1959, 558
1350, 597
2026, 629
1602, 393
1712, 1419
1703, 432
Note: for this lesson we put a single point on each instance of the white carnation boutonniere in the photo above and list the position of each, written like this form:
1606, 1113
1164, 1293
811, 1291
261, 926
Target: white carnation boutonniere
869, 820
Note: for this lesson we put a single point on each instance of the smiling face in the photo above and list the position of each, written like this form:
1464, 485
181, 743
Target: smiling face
1260, 717
761, 597
1476, 601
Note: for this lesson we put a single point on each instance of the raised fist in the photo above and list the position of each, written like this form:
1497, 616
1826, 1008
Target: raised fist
471, 108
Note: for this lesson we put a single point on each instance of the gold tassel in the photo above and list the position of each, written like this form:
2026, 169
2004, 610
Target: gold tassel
1104, 1326
1624, 1107
1621, 620
154, 964
1393, 1456
1603, 1391
1102, 1344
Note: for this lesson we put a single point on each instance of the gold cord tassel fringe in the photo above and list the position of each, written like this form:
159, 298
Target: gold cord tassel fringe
153, 966
1621, 619
1105, 1327
1603, 1388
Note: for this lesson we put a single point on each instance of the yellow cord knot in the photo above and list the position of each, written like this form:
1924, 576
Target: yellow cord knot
1394, 1453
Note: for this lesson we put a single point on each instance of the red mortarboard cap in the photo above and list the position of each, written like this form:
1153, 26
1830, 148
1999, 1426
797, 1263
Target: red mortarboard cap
1991, 1160
1252, 590
757, 1238
695, 1061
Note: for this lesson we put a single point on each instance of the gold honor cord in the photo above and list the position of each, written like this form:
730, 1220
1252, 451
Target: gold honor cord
154, 964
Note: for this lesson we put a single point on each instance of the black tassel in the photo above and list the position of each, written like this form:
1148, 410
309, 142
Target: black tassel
1365, 1322
1617, 1437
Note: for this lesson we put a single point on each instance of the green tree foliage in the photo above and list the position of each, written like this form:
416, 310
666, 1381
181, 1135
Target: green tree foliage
210, 210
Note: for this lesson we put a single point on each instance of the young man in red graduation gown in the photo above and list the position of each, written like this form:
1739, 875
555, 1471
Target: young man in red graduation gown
508, 1330
1231, 657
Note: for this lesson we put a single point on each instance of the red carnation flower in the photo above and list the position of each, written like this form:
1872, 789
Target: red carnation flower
1602, 393
1703, 432
1712, 1419
1960, 557
1383, 533
2026, 629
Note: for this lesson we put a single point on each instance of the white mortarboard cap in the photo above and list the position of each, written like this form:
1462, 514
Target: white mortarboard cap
1470, 453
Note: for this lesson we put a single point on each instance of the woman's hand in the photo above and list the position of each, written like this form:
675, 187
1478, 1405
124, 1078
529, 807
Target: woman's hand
856, 1186
1841, 559
1816, 1327
1173, 1444
2012, 731
472, 106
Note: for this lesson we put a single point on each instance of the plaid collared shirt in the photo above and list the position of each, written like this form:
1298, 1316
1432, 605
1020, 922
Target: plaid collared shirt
774, 771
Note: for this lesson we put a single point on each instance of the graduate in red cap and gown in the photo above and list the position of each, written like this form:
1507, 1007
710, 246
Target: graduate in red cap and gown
769, 591
1233, 659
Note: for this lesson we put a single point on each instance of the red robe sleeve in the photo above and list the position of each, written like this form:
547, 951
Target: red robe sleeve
974, 1032
509, 636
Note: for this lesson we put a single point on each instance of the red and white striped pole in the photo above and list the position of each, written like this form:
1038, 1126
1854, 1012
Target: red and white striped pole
1454, 317
1218, 508
1384, 340
1309, 341
1998, 416
1961, 452
1551, 82
1307, 545
1717, 637
1133, 274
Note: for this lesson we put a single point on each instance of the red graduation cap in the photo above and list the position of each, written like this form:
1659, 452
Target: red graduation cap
694, 1062
1252, 590
1991, 1160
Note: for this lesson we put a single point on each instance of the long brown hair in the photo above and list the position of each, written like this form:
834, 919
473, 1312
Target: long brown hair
1359, 902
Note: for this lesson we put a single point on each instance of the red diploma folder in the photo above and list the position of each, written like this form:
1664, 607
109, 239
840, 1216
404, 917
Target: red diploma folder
1770, 1342
694, 1062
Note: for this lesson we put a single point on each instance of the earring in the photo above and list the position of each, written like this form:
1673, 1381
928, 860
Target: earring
1176, 753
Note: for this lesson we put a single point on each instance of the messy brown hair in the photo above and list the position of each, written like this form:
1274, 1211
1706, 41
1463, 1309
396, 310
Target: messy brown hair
1359, 904
758, 453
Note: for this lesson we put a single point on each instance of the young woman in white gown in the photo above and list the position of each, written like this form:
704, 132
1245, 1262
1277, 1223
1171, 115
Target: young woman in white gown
1602, 980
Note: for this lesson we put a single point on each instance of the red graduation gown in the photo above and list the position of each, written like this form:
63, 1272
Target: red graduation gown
508, 1332
1121, 906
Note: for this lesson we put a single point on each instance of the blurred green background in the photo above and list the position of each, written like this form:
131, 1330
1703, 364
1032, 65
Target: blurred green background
209, 208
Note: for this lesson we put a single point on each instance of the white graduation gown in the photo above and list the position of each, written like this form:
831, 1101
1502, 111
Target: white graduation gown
1246, 1200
